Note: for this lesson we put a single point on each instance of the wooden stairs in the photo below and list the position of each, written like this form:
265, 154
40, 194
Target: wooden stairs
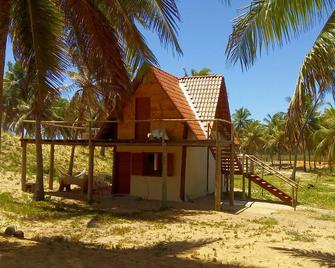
239, 169
288, 200
225, 161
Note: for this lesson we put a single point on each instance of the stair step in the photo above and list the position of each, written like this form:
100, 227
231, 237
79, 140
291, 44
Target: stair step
270, 188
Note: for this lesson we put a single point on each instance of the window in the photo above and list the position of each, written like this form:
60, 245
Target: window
153, 164
150, 164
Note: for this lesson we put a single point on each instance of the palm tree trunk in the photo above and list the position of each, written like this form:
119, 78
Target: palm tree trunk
71, 163
4, 25
309, 160
39, 188
73, 150
304, 153
279, 158
300, 136
290, 158
103, 151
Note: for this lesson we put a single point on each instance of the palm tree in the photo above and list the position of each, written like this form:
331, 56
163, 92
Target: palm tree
103, 33
241, 118
85, 104
201, 72
15, 95
325, 136
267, 23
252, 140
276, 138
4, 26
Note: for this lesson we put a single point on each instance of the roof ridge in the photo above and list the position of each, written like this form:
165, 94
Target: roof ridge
201, 76
192, 105
160, 70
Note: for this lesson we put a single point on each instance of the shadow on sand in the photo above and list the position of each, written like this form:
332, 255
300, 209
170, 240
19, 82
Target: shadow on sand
59, 252
323, 258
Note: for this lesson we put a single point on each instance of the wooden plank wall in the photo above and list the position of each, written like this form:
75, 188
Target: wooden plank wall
161, 107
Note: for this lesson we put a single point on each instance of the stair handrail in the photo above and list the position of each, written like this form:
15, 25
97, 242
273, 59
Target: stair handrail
272, 170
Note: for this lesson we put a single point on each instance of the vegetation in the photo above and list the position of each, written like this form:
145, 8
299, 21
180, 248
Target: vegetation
271, 138
49, 37
265, 24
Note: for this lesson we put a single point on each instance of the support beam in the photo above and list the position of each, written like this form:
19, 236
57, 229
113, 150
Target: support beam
24, 166
218, 173
51, 167
90, 165
232, 169
164, 174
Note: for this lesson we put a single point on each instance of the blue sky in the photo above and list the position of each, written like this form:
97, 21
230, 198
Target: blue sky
203, 35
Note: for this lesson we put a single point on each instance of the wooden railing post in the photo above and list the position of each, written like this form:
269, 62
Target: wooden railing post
24, 166
51, 166
90, 164
164, 174
218, 172
232, 168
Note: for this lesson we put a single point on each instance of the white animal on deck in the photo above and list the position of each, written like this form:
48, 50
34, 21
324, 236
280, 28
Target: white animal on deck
158, 134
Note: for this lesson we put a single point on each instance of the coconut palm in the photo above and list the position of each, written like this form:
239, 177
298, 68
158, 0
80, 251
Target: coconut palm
201, 72
86, 103
265, 24
241, 118
275, 141
15, 95
252, 140
325, 136
103, 33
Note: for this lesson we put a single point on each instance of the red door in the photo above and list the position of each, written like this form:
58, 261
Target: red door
142, 112
122, 173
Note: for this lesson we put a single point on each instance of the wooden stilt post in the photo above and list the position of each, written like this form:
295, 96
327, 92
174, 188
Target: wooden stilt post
218, 172
243, 177
24, 166
51, 166
232, 167
249, 181
164, 174
90, 164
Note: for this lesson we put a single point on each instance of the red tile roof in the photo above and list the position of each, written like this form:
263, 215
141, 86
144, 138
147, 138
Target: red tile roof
170, 84
196, 97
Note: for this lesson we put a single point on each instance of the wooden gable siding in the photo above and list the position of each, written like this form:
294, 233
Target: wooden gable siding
222, 108
161, 107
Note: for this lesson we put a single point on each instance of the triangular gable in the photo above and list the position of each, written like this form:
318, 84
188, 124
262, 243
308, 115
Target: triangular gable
170, 84
208, 95
196, 97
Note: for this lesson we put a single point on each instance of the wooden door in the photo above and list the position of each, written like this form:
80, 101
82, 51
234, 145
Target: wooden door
142, 112
122, 173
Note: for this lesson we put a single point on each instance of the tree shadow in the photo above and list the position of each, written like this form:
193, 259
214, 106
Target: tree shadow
60, 252
323, 258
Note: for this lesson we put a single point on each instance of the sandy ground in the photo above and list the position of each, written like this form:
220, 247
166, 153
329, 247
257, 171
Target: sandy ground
135, 233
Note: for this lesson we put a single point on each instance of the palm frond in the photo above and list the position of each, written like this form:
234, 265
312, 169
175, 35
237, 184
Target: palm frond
36, 32
266, 23
317, 74
135, 45
91, 34
160, 16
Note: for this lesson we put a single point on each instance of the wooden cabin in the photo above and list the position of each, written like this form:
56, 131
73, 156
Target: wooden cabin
164, 107
174, 141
